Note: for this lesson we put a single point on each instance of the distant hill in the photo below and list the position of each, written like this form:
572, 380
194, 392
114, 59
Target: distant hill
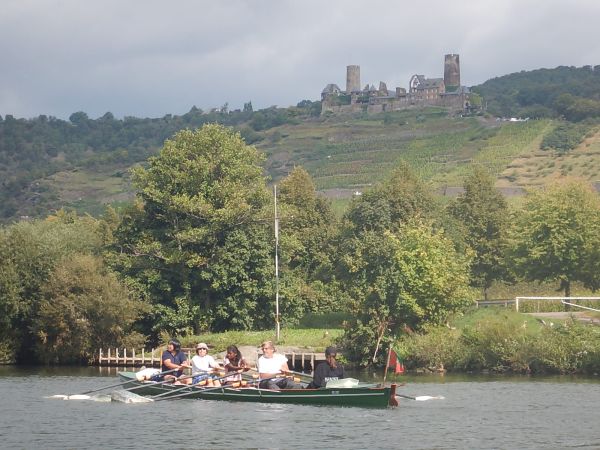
571, 92
83, 163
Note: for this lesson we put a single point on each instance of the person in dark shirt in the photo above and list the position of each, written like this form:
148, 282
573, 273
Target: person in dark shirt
174, 358
327, 371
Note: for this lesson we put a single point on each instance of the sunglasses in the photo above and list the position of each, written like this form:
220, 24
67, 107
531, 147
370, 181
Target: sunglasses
201, 349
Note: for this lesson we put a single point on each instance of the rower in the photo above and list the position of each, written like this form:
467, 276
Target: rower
174, 358
328, 371
272, 368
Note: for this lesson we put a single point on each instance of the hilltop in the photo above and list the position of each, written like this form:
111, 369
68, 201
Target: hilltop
83, 163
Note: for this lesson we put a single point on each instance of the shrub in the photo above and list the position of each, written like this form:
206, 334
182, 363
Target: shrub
439, 348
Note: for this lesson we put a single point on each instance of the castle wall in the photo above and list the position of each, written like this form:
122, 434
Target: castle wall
386, 104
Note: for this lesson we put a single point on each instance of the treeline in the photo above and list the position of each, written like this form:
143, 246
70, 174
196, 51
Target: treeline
194, 253
31, 149
569, 92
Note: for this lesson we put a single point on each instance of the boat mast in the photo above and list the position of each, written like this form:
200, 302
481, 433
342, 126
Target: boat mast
276, 265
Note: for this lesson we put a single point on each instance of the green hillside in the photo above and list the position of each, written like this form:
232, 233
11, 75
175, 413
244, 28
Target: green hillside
570, 92
350, 154
48, 163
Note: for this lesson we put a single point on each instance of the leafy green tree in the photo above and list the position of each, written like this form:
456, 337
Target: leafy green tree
557, 236
79, 118
407, 278
83, 307
29, 251
483, 212
401, 197
308, 227
204, 193
307, 223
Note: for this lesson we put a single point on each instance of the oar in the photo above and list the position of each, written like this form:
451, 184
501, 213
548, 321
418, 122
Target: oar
286, 372
191, 391
160, 383
84, 396
300, 374
187, 386
421, 398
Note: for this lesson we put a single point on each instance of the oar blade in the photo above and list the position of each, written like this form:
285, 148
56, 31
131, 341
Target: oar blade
77, 397
424, 398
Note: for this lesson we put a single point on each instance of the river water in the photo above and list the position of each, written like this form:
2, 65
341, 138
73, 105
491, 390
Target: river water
476, 413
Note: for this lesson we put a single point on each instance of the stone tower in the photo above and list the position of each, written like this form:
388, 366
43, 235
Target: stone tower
452, 70
352, 79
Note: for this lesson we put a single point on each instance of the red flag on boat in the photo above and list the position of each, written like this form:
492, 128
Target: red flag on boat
395, 362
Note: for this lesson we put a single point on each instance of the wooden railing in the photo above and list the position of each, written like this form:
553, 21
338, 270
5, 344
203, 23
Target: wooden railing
115, 357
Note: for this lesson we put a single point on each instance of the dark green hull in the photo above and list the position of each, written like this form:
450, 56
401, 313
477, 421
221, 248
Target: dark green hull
368, 397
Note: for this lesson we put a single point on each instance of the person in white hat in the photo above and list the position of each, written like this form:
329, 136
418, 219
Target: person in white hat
204, 366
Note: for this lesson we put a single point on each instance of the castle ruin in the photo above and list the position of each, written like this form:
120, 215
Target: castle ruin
444, 92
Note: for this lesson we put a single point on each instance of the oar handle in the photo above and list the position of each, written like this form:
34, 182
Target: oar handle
301, 374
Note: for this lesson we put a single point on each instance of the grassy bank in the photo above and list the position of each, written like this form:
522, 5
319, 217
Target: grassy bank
501, 340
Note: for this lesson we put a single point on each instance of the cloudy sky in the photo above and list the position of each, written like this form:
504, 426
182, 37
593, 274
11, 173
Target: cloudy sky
148, 58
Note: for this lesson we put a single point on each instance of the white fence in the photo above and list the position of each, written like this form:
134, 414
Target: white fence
564, 300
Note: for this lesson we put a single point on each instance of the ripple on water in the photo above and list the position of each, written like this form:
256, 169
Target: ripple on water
479, 414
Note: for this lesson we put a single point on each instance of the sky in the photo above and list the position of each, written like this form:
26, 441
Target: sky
149, 58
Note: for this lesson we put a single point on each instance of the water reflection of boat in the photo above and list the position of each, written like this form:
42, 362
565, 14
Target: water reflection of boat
363, 396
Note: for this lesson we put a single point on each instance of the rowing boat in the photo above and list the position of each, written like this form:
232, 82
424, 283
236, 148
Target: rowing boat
364, 396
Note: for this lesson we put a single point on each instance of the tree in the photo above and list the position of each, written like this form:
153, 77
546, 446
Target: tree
196, 197
407, 278
308, 227
83, 307
557, 236
307, 222
78, 118
483, 212
401, 197
29, 252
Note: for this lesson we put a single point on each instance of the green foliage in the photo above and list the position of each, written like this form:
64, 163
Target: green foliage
327, 321
437, 348
407, 278
200, 235
313, 338
83, 307
401, 197
557, 236
567, 348
35, 312
34, 150
269, 118
504, 341
341, 99
568, 91
483, 213
178, 321
307, 224
565, 136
